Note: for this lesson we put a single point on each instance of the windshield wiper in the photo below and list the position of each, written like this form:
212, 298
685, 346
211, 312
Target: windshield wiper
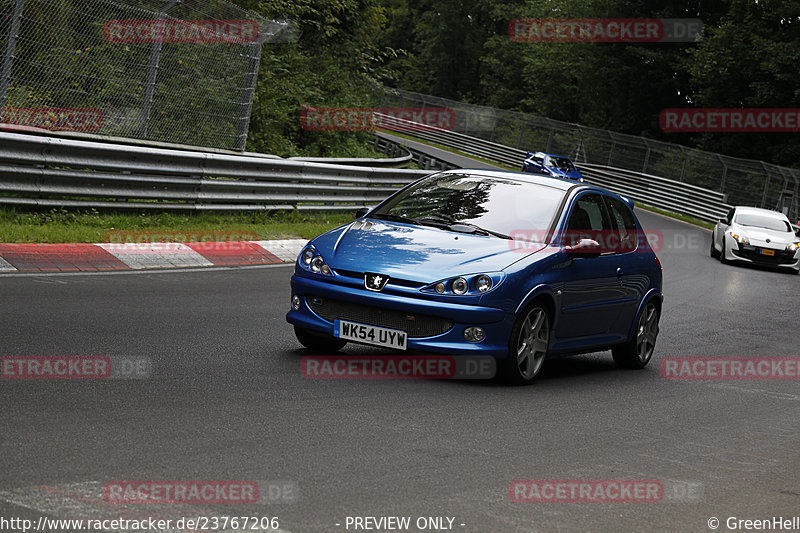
480, 230
440, 221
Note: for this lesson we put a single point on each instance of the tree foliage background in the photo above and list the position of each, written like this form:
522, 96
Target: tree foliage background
461, 49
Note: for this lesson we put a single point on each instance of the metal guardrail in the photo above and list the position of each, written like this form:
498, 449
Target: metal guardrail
53, 172
656, 191
394, 161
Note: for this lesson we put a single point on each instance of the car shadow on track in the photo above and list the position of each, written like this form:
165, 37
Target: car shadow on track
555, 369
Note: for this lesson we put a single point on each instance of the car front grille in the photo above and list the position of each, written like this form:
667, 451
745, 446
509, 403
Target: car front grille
416, 326
781, 257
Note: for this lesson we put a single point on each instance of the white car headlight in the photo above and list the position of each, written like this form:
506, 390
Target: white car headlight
741, 239
792, 246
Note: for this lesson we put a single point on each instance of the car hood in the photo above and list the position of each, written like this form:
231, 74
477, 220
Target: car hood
760, 235
417, 253
572, 174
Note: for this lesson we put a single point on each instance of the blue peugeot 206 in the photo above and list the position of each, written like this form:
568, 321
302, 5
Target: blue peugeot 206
515, 266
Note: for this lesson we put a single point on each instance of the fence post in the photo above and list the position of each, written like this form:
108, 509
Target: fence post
685, 162
521, 133
152, 72
246, 105
11, 46
766, 185
724, 175
549, 140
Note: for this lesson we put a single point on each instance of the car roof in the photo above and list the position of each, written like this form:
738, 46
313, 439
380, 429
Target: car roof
547, 181
551, 155
759, 211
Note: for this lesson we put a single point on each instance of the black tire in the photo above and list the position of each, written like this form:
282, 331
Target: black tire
638, 351
722, 258
317, 341
528, 345
714, 252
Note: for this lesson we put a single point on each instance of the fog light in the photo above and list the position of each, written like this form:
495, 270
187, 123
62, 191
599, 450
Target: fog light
296, 302
474, 334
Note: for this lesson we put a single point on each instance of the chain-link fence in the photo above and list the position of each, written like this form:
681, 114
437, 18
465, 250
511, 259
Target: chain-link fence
180, 71
743, 181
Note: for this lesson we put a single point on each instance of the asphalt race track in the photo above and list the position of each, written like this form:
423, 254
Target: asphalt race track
225, 400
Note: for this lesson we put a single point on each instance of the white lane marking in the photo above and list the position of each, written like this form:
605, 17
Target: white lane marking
285, 249
6, 266
84, 501
155, 255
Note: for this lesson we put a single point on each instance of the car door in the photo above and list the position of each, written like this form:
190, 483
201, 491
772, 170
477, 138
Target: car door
633, 265
721, 227
592, 297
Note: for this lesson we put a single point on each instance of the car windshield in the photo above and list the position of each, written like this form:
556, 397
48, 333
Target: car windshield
496, 204
761, 221
561, 163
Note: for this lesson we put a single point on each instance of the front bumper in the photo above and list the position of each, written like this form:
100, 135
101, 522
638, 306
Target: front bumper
496, 322
752, 254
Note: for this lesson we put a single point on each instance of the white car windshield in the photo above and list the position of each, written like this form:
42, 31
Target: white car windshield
761, 221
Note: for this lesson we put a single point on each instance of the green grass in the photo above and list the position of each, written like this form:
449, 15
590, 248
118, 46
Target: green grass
62, 226
685, 218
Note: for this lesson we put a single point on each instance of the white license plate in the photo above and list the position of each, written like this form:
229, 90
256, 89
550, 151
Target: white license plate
389, 338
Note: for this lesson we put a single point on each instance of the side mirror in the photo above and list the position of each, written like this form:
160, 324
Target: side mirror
584, 248
361, 212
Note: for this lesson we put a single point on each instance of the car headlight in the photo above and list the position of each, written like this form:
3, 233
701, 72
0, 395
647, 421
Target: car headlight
312, 261
483, 283
307, 256
792, 246
741, 239
466, 285
460, 286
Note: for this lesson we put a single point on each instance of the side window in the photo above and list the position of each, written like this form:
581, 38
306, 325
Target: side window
623, 219
588, 220
730, 216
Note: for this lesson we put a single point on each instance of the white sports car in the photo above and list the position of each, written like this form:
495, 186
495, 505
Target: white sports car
758, 236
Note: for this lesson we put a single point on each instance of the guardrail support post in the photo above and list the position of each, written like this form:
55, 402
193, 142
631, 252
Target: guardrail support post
724, 175
152, 73
11, 46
